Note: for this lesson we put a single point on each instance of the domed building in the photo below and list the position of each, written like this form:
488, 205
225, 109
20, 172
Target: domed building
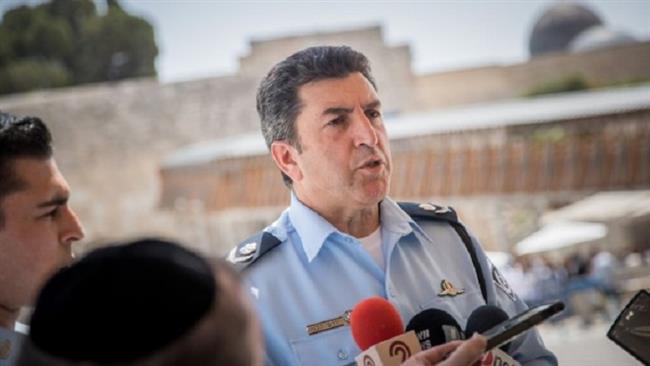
559, 25
599, 37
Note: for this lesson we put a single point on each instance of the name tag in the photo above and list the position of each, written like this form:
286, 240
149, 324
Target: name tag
329, 324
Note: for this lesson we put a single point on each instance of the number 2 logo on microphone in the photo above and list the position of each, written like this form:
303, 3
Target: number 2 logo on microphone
400, 349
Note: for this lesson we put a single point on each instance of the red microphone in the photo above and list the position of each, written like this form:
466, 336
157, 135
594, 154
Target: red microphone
378, 330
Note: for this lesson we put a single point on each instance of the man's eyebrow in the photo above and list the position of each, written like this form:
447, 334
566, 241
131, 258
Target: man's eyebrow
56, 201
337, 110
342, 110
372, 105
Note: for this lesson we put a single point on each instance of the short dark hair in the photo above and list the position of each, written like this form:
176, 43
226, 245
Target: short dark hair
277, 97
26, 137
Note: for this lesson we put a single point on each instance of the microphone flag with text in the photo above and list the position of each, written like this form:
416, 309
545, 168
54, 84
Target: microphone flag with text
434, 327
482, 319
496, 357
378, 330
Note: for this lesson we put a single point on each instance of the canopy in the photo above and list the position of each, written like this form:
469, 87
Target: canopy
560, 235
499, 259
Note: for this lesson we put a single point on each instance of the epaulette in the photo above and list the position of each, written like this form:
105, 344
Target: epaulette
251, 249
429, 211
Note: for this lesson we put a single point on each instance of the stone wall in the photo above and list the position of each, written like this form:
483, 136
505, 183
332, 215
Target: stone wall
599, 67
391, 65
110, 138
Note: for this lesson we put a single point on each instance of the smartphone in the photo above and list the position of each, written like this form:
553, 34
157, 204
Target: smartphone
509, 329
631, 330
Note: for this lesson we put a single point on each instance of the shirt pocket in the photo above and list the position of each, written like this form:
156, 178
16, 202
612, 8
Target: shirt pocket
330, 348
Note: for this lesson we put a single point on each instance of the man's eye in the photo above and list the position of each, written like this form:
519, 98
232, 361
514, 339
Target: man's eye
373, 114
336, 121
52, 214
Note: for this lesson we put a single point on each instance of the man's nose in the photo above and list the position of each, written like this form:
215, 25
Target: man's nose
365, 133
72, 230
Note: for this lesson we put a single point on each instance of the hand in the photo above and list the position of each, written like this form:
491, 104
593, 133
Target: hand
463, 353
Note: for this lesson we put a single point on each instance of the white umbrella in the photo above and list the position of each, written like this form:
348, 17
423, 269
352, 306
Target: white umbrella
500, 259
560, 235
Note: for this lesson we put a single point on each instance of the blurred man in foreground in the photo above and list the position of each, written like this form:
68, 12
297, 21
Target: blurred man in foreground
150, 302
37, 226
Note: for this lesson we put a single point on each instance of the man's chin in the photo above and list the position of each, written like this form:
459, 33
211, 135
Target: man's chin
374, 195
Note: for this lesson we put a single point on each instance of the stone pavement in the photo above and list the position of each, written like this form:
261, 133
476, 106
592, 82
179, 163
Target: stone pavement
575, 345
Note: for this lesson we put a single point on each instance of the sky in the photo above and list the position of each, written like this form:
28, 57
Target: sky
204, 38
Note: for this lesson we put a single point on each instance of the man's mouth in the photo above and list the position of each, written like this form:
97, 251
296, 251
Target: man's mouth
372, 163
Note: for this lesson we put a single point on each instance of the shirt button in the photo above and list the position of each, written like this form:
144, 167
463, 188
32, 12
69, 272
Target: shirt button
342, 355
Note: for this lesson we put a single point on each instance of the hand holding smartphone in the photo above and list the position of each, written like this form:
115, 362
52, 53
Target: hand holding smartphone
509, 329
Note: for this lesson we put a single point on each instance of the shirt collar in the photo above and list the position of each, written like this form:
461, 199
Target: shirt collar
394, 219
312, 228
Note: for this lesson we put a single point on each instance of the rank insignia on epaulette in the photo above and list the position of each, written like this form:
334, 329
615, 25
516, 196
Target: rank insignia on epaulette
243, 253
248, 248
502, 284
448, 289
434, 208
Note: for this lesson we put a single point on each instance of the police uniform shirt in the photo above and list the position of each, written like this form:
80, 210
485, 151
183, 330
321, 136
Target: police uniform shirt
317, 273
10, 342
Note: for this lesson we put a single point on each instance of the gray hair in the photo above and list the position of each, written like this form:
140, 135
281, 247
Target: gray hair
278, 104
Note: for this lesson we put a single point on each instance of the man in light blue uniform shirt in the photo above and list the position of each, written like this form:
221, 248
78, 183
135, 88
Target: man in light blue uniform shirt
342, 239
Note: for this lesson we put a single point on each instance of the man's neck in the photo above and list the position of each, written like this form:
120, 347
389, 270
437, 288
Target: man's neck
8, 317
356, 221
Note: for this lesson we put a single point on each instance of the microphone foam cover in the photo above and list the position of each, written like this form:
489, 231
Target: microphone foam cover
483, 318
374, 320
434, 327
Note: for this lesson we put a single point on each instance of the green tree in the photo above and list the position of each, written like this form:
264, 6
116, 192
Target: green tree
65, 42
75, 12
568, 83
116, 46
49, 38
28, 74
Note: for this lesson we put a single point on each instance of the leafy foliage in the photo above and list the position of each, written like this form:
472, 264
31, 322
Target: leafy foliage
574, 82
66, 42
28, 74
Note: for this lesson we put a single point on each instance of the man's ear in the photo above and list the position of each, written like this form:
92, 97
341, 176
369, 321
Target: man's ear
285, 157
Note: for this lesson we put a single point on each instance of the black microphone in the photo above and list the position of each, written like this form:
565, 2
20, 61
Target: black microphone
483, 318
434, 327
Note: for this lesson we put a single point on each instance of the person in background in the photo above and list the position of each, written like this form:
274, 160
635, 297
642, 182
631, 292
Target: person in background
37, 225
